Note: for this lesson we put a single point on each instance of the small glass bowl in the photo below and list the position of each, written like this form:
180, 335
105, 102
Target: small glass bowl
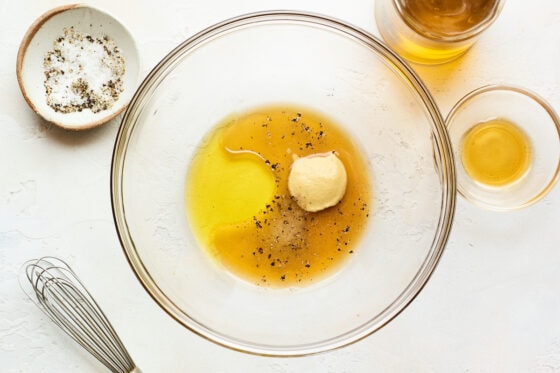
535, 117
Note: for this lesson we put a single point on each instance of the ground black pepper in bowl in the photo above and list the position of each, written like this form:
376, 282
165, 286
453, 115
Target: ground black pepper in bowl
83, 72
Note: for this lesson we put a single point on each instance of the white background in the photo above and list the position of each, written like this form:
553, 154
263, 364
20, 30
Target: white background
493, 303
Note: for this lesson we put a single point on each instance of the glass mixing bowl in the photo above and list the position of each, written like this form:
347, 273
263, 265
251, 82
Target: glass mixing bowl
332, 68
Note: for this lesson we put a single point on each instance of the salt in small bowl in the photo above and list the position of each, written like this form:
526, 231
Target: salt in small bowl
39, 40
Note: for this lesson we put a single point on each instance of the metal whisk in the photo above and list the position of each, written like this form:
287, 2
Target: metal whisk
56, 290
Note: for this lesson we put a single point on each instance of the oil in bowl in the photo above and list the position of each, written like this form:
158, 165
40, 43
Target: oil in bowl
239, 204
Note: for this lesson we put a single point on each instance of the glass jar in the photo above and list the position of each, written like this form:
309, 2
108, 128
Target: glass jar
434, 31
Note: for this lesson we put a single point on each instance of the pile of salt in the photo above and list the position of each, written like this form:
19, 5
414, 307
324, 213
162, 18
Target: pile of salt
83, 72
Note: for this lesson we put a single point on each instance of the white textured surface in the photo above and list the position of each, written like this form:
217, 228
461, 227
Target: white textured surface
493, 303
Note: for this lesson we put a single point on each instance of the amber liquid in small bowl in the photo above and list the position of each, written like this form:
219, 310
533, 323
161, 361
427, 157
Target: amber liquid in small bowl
434, 31
444, 18
496, 153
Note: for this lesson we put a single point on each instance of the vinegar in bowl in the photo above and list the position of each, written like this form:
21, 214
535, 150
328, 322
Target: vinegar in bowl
240, 208
496, 153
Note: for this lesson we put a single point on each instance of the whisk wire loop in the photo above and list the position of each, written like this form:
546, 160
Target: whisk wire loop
58, 292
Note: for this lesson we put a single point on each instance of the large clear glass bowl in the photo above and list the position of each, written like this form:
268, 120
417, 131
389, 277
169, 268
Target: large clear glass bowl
337, 70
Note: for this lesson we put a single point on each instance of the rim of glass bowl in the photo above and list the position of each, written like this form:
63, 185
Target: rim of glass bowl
443, 158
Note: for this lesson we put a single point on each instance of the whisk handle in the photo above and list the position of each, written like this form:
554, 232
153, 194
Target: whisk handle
135, 370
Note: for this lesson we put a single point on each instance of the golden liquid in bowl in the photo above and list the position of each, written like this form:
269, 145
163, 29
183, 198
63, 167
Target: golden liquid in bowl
447, 17
496, 152
240, 209
434, 31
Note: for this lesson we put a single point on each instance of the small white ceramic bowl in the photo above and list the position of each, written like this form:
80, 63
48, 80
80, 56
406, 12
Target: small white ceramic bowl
40, 39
